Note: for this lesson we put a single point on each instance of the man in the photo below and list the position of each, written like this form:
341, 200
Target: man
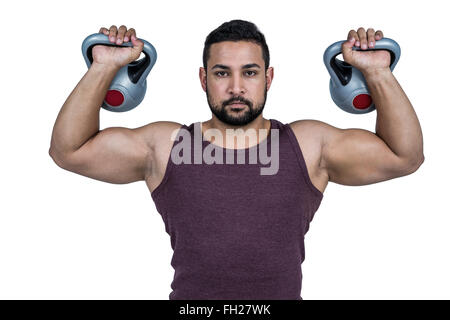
236, 232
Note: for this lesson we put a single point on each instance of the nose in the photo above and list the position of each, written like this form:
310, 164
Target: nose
236, 85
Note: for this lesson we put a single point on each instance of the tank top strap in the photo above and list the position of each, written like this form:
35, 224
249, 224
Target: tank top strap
290, 135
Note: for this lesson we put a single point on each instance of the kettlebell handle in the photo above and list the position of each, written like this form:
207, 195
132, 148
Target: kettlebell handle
340, 71
137, 70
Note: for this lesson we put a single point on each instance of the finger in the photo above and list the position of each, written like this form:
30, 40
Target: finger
362, 37
347, 47
128, 34
352, 34
120, 34
136, 42
378, 35
137, 48
112, 33
104, 30
371, 37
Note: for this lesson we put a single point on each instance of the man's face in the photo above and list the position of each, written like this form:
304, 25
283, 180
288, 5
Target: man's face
236, 83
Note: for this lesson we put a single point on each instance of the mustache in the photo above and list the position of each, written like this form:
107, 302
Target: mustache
236, 100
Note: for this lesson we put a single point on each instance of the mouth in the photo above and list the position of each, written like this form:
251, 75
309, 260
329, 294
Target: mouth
236, 105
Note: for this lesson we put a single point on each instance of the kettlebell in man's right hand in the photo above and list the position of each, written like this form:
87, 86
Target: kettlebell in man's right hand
348, 88
127, 89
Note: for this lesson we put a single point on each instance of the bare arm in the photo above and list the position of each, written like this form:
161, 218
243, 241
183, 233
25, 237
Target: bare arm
121, 155
116, 155
359, 157
397, 123
78, 119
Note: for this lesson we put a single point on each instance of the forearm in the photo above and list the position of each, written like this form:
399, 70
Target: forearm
397, 123
78, 119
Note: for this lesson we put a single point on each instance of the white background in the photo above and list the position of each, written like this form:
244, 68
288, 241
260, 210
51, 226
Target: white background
65, 236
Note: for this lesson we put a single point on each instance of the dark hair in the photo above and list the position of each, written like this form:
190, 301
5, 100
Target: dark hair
236, 30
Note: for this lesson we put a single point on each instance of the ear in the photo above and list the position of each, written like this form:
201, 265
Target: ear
202, 76
269, 77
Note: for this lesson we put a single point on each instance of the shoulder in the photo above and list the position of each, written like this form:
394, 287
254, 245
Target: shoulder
311, 136
159, 134
318, 130
310, 124
309, 129
159, 137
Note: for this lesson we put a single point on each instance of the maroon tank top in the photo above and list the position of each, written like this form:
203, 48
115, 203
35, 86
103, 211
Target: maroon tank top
237, 234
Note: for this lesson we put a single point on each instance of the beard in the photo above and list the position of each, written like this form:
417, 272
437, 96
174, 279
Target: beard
224, 113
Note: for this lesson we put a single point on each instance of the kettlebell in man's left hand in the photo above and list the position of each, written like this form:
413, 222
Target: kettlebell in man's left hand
348, 88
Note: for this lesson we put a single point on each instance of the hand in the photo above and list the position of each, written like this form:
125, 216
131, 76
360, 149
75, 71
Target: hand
369, 60
118, 56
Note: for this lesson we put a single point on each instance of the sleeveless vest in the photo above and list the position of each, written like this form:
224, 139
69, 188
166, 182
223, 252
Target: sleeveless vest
236, 234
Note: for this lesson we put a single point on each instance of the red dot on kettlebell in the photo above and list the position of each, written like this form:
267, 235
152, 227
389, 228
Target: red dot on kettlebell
114, 98
362, 101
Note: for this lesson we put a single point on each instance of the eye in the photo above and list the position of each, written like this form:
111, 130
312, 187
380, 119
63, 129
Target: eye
218, 73
254, 73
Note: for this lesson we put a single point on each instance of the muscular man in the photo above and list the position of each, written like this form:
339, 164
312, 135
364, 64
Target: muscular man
237, 233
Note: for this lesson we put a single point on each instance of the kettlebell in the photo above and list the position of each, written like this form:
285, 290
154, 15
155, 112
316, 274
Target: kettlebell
348, 87
127, 89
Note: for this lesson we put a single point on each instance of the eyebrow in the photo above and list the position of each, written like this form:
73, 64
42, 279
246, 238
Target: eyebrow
246, 66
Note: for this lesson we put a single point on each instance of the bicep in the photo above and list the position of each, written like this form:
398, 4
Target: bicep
115, 155
358, 157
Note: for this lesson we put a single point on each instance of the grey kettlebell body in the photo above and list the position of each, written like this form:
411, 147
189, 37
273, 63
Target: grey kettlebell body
127, 89
348, 88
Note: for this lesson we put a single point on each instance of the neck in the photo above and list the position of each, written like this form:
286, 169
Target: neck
235, 137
